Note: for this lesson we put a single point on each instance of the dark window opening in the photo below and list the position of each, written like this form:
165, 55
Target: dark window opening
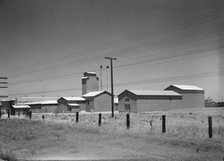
126, 99
127, 107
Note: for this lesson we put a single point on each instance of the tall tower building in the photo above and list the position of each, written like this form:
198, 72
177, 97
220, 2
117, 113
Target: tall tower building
90, 82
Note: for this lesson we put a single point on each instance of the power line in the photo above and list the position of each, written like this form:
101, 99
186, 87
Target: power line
166, 79
46, 91
151, 59
174, 46
132, 38
209, 16
5, 82
138, 82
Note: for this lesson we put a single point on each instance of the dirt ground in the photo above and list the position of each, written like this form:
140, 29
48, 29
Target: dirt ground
98, 148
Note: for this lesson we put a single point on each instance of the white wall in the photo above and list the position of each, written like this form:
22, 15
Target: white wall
158, 105
121, 105
194, 100
102, 103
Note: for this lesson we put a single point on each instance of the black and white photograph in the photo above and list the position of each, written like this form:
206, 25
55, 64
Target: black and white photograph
112, 80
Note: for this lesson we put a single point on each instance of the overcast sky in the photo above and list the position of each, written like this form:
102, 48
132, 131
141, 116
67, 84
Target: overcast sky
46, 45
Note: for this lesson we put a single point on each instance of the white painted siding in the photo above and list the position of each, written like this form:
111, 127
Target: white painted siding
194, 100
158, 105
121, 105
102, 103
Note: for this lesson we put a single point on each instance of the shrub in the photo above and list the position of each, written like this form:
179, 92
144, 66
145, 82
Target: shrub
7, 155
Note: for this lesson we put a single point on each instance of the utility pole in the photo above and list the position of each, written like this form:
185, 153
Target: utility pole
112, 87
101, 81
107, 76
5, 83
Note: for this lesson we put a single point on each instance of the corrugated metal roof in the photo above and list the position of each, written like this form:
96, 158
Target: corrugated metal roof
92, 94
188, 87
90, 72
73, 104
154, 93
47, 102
35, 99
74, 98
20, 106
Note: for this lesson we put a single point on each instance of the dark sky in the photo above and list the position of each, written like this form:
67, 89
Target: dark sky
46, 45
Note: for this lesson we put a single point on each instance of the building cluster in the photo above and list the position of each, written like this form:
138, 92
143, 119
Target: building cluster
95, 100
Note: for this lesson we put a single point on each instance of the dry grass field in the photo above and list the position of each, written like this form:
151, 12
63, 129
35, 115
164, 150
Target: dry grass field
60, 137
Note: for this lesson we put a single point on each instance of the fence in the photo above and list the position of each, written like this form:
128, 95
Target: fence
185, 125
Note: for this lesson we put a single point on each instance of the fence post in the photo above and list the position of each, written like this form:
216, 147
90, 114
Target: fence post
42, 117
99, 121
210, 127
8, 113
0, 113
30, 114
19, 113
163, 123
77, 117
128, 120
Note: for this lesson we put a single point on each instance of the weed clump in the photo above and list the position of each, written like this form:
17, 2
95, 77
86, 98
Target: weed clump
7, 155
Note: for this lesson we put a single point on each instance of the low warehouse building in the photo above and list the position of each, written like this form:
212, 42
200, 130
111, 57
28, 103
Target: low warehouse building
99, 101
148, 100
48, 106
71, 104
15, 109
192, 96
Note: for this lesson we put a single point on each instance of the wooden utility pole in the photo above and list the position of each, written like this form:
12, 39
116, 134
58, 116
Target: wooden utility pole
5, 84
101, 81
112, 86
107, 77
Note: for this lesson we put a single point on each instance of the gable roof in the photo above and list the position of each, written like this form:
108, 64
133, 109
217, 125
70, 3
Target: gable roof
47, 102
187, 87
94, 94
20, 106
154, 93
73, 104
74, 98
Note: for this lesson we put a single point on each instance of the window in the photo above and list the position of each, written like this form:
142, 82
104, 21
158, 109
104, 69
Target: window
127, 107
126, 99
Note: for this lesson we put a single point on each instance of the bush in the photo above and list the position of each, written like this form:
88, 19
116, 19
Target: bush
7, 155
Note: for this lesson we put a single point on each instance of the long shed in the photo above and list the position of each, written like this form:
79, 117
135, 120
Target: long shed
19, 108
47, 106
192, 96
148, 100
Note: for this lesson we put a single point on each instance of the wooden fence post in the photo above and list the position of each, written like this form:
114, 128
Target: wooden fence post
0, 113
99, 121
8, 113
30, 114
163, 123
42, 117
77, 117
128, 120
210, 127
